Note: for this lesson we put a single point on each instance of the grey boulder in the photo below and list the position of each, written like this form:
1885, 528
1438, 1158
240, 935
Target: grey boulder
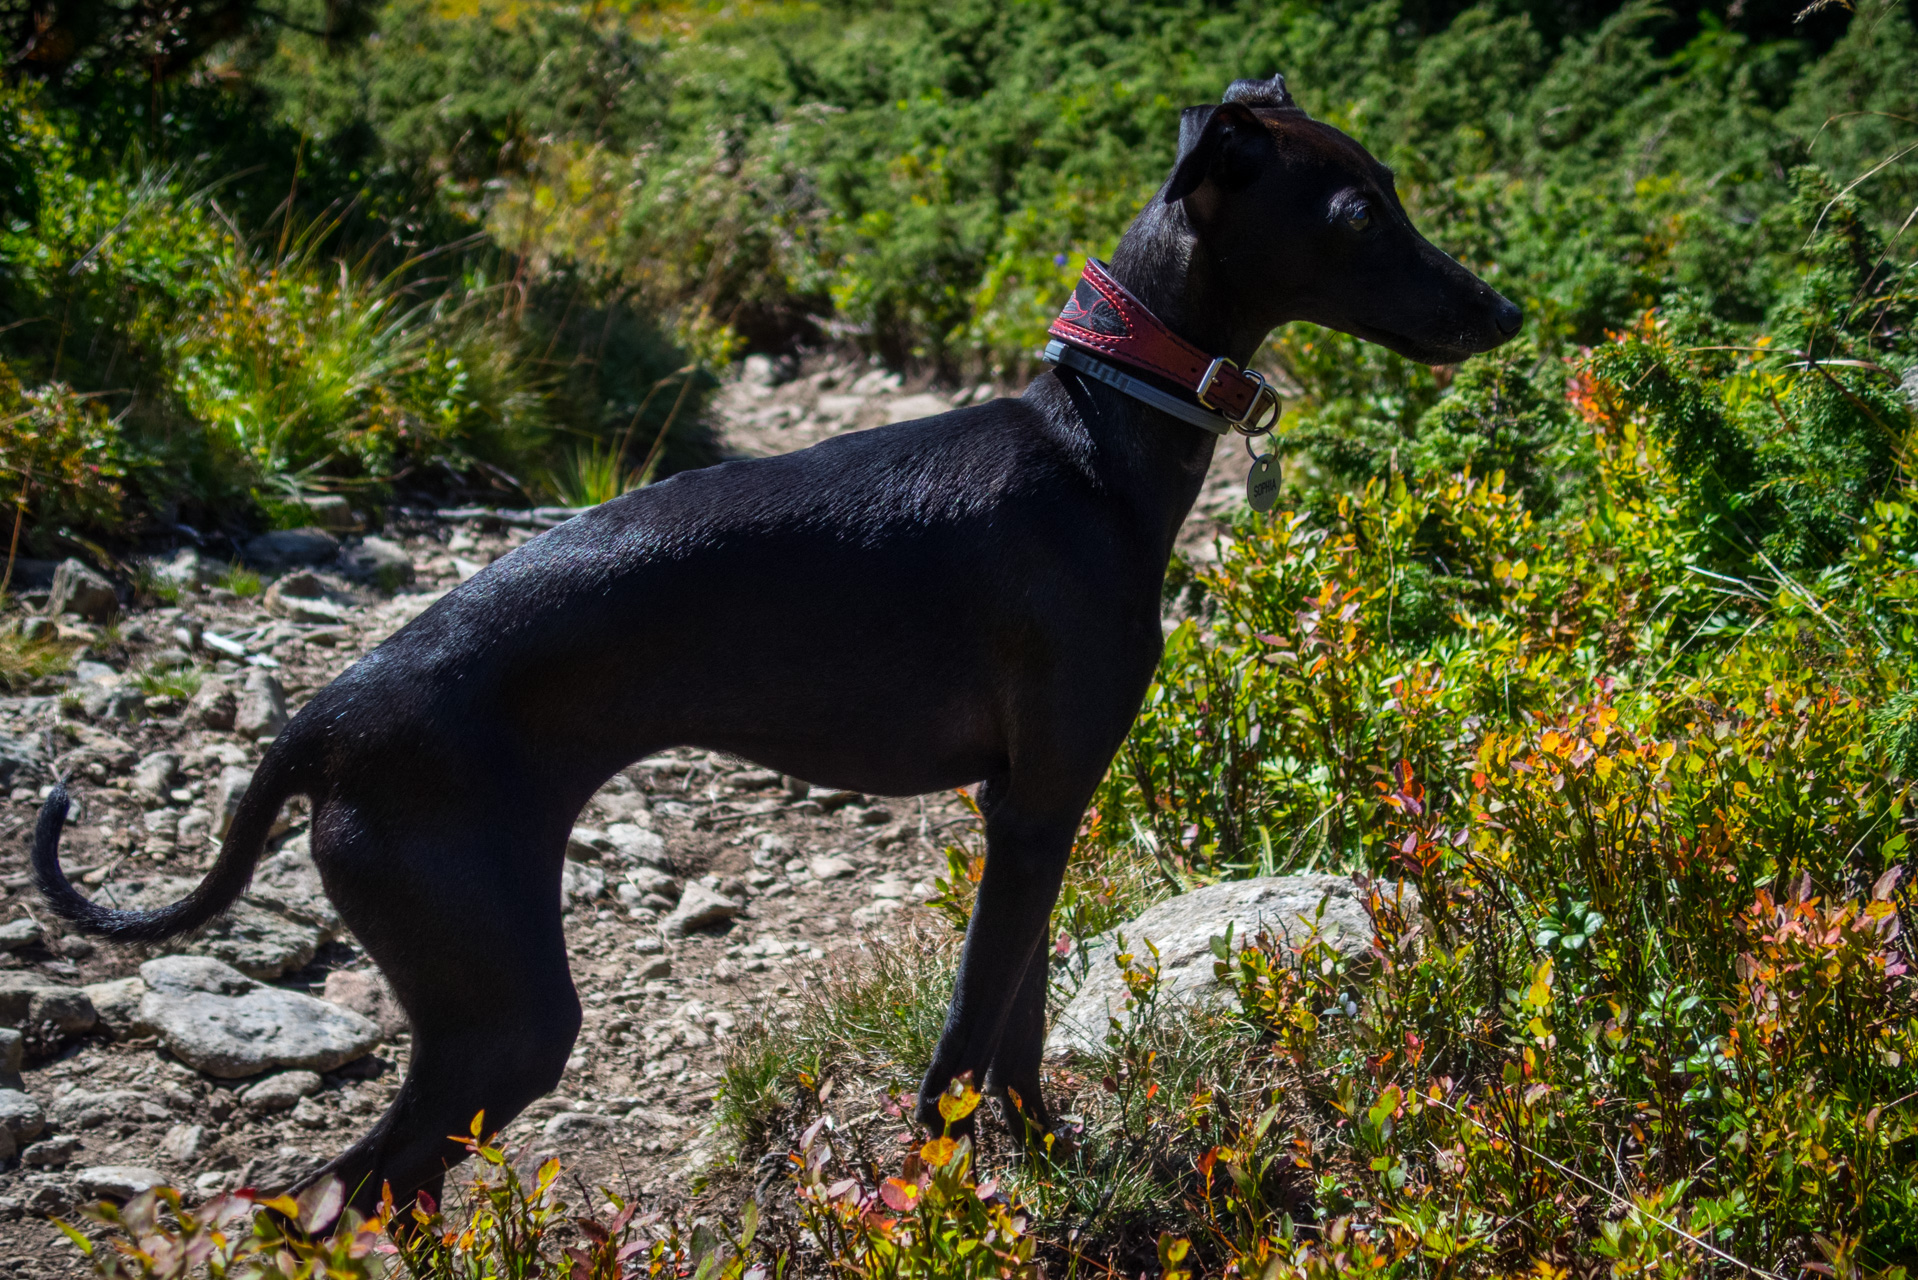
366, 993
301, 596
699, 908
269, 1175
288, 882
257, 935
23, 932
1183, 928
292, 548
375, 560
262, 707
185, 568
78, 589
19, 759
21, 1116
216, 1019
634, 843
30, 1001
118, 1181
213, 707
280, 1092
156, 774
91, 1108
118, 1004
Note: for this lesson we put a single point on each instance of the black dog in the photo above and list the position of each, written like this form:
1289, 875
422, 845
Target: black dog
971, 596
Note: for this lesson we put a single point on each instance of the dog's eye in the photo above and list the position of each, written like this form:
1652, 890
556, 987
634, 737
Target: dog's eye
1359, 218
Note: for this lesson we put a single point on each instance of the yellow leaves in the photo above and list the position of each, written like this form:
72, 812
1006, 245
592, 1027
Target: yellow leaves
1538, 993
939, 1151
958, 1101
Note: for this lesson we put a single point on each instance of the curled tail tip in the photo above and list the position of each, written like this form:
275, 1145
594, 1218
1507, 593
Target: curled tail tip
47, 873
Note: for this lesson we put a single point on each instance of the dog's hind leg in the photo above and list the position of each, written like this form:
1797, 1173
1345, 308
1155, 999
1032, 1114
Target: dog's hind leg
463, 916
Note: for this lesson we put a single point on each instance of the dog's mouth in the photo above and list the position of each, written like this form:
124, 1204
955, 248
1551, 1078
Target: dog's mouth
1425, 350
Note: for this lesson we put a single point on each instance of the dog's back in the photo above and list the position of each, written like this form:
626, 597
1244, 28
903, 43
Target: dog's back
688, 612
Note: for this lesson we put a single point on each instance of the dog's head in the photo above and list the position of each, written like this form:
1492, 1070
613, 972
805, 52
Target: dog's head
1303, 224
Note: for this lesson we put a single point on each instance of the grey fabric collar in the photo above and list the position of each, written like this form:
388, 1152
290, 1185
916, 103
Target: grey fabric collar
1059, 353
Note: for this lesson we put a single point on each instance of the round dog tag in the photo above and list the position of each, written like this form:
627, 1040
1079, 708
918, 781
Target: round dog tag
1262, 486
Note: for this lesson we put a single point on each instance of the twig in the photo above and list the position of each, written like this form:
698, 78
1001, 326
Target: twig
13, 549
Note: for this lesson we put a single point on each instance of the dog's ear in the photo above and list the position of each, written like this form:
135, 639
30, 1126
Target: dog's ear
1266, 95
1210, 139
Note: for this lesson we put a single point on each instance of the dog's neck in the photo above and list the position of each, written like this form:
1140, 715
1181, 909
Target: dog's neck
1162, 262
1148, 458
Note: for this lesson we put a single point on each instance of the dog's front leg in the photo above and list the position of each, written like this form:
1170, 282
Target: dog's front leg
1026, 850
1013, 1076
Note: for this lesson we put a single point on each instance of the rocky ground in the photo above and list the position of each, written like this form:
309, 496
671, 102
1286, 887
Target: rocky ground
701, 889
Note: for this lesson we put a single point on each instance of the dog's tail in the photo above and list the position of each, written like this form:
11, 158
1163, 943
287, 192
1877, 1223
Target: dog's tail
273, 782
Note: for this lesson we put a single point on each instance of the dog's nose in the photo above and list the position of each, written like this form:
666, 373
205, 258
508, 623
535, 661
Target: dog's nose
1508, 317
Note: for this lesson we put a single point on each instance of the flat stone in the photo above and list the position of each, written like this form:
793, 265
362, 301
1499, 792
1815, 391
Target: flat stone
217, 1020
288, 882
643, 880
23, 932
277, 1172
52, 1153
655, 967
581, 883
183, 1143
21, 1115
213, 707
635, 843
13, 1056
577, 1124
289, 548
829, 868
19, 759
91, 1108
117, 1003
79, 589
118, 1181
699, 908
585, 844
227, 793
104, 702
262, 708
256, 935
365, 992
1183, 928
383, 563
300, 597
156, 773
279, 1092
28, 1000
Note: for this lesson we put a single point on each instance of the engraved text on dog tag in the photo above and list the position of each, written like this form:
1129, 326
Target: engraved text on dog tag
1262, 486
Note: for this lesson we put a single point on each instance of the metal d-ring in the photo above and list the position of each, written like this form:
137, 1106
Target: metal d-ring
1265, 404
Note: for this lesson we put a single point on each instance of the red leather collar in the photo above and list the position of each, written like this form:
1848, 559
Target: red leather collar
1104, 319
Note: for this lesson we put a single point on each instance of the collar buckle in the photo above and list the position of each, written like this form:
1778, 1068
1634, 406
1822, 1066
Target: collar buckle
1212, 372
